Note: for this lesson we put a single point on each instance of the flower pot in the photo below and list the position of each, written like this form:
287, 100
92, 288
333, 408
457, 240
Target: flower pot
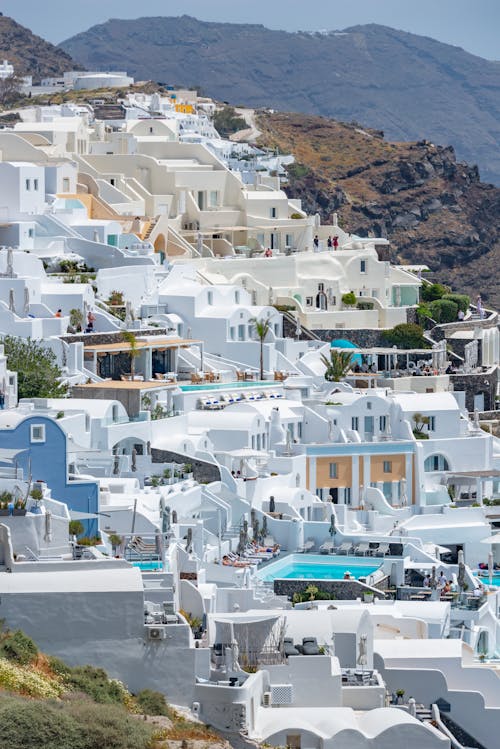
4, 513
19, 512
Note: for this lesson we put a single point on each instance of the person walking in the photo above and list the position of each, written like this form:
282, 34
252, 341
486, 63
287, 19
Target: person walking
329, 242
335, 242
316, 243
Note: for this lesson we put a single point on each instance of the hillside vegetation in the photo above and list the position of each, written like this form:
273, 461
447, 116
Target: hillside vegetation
30, 54
410, 86
46, 704
433, 209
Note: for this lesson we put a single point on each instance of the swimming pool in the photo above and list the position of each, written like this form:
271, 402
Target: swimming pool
495, 580
228, 385
316, 567
148, 566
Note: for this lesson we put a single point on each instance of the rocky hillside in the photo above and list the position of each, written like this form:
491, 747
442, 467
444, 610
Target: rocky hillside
434, 209
410, 86
30, 54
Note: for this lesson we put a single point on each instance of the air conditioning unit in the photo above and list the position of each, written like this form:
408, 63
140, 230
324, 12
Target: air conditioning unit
266, 699
156, 633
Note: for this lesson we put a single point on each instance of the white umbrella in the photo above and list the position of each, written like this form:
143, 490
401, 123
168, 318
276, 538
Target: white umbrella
26, 301
403, 499
490, 566
12, 304
199, 242
10, 263
495, 539
362, 659
298, 328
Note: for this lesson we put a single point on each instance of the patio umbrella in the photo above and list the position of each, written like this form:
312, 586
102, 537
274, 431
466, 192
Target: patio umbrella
199, 242
270, 295
362, 497
48, 526
362, 658
10, 263
246, 577
272, 504
433, 581
403, 499
174, 516
129, 317
189, 540
245, 530
332, 529
298, 328
12, 304
134, 459
26, 301
264, 528
255, 529
241, 543
461, 570
490, 566
165, 518
495, 539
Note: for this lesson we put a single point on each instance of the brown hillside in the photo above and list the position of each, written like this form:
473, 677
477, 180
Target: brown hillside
432, 208
30, 54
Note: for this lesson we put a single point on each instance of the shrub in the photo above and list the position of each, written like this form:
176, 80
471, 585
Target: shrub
151, 702
16, 646
108, 726
443, 310
296, 215
365, 305
226, 122
75, 528
405, 335
24, 725
433, 291
349, 299
461, 300
27, 680
95, 683
38, 373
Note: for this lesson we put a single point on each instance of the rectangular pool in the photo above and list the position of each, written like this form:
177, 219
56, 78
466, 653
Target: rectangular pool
317, 567
148, 566
229, 385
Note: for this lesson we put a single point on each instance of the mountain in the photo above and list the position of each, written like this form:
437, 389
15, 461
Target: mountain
412, 87
433, 209
30, 54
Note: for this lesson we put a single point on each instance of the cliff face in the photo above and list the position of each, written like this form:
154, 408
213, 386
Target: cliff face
411, 86
433, 209
30, 54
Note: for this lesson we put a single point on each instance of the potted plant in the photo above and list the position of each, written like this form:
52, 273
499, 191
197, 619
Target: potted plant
19, 507
188, 471
368, 596
400, 693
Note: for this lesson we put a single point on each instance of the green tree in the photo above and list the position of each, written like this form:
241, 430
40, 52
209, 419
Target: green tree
227, 122
38, 374
433, 291
76, 319
420, 422
262, 328
134, 352
10, 89
349, 299
337, 364
443, 310
461, 300
76, 528
406, 335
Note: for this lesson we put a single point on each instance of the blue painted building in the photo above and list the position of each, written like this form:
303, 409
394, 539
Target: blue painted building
44, 444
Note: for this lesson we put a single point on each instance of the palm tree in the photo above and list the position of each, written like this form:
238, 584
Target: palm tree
337, 365
262, 328
134, 352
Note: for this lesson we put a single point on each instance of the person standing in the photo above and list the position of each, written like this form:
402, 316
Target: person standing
316, 243
335, 242
329, 242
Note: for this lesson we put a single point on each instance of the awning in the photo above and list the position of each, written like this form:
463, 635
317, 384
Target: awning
8, 455
430, 548
76, 515
495, 539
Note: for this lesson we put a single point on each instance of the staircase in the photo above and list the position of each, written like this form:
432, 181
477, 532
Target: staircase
149, 230
290, 326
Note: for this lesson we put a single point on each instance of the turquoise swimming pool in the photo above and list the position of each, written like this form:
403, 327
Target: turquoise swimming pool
227, 385
316, 567
495, 580
147, 566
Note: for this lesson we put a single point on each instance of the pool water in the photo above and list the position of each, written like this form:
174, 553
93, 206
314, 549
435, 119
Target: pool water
314, 567
228, 385
147, 566
495, 580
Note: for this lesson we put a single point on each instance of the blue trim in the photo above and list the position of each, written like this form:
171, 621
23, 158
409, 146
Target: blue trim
361, 448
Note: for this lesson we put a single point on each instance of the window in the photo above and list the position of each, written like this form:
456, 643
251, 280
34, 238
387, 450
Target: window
214, 198
241, 332
31, 233
289, 240
432, 423
382, 423
35, 184
321, 287
237, 297
273, 212
333, 470
387, 466
362, 266
210, 297
368, 405
37, 433
309, 301
65, 184
232, 333
28, 184
355, 423
436, 463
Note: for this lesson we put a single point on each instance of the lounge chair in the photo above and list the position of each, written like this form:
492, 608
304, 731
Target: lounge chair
308, 546
327, 548
382, 550
362, 549
344, 547
289, 648
310, 646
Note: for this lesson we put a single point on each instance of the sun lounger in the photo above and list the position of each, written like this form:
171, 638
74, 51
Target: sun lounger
310, 646
327, 548
308, 546
382, 550
362, 549
344, 547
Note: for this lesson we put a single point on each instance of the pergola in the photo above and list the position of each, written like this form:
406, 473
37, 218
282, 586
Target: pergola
472, 480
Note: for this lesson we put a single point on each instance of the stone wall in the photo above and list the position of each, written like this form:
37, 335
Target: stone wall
345, 590
93, 339
473, 384
363, 337
203, 472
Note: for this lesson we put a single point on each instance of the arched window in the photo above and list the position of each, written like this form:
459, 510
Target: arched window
436, 463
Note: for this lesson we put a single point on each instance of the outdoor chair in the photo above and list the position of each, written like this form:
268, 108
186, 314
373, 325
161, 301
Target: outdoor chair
310, 646
344, 547
382, 550
308, 546
289, 648
362, 549
327, 548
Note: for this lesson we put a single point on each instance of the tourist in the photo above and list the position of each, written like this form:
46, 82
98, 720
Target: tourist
461, 314
58, 313
442, 580
90, 321
335, 242
427, 581
268, 252
329, 242
316, 242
